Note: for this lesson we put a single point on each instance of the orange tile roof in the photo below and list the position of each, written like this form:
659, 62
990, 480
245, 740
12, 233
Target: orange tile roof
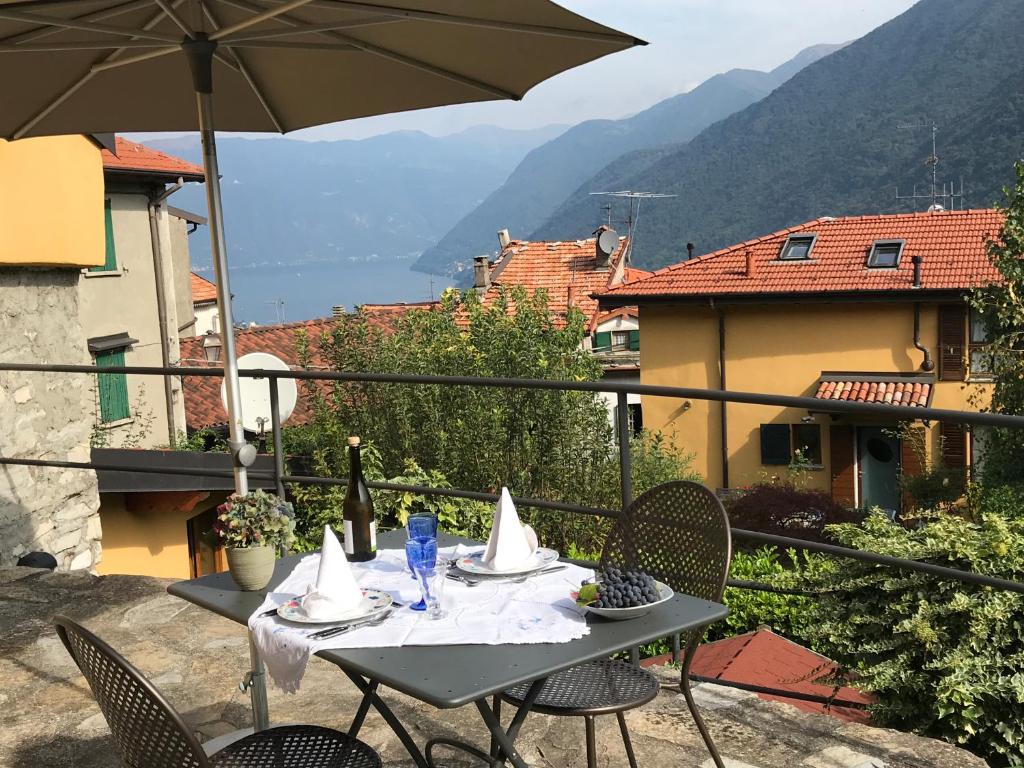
769, 660
566, 270
952, 244
910, 391
140, 159
203, 291
203, 407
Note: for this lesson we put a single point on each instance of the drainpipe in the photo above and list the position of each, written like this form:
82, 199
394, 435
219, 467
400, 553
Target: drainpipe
724, 408
927, 364
155, 201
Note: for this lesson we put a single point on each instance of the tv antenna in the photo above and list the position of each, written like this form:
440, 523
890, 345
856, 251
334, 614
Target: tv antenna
635, 198
278, 308
948, 190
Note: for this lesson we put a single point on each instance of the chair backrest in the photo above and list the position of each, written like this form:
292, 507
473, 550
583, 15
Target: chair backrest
678, 532
148, 731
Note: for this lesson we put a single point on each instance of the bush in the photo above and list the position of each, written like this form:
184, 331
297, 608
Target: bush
784, 509
944, 658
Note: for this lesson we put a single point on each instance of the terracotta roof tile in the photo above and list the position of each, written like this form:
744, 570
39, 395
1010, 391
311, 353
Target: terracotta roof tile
565, 269
138, 158
203, 291
766, 659
203, 407
951, 243
876, 388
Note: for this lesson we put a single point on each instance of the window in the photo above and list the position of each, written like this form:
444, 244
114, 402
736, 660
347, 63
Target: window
952, 341
780, 443
635, 417
110, 263
980, 437
112, 387
616, 341
620, 340
981, 359
885, 254
797, 247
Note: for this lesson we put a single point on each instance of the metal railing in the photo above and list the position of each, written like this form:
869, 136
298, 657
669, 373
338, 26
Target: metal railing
621, 390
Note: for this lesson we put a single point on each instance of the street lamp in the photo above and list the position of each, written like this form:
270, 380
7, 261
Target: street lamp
212, 347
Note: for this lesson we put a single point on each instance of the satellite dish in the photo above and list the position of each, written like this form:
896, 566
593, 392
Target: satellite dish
255, 393
608, 241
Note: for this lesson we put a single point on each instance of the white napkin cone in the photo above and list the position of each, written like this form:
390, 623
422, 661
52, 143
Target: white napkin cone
511, 543
336, 590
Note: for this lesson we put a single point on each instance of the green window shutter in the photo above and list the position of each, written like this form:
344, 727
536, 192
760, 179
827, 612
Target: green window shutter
634, 340
113, 388
110, 264
603, 340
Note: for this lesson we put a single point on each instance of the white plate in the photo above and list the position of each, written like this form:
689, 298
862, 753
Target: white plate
374, 601
542, 558
620, 614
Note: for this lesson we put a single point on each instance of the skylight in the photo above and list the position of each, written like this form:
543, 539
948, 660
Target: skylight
797, 247
885, 254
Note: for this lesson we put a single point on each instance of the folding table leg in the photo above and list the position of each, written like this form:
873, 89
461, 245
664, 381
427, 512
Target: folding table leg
496, 709
256, 682
364, 708
370, 695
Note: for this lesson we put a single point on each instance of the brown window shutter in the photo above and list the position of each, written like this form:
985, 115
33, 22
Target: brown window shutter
954, 445
952, 340
910, 447
842, 464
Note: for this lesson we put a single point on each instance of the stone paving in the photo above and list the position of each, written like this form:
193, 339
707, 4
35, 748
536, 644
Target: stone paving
48, 717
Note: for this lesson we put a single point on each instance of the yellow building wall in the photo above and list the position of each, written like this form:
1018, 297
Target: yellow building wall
51, 202
775, 349
143, 543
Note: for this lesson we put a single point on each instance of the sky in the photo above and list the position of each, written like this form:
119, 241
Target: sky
689, 41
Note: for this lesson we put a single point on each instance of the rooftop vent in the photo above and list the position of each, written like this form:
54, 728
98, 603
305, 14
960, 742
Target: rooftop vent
504, 238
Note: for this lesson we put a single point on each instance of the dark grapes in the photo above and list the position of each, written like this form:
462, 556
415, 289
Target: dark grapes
624, 589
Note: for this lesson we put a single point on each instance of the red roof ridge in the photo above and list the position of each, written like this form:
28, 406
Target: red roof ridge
133, 157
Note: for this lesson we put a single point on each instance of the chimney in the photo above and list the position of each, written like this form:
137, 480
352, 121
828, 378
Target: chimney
751, 269
916, 261
689, 251
481, 274
503, 238
338, 311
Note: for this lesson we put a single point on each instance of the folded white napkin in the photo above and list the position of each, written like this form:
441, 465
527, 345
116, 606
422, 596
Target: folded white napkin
511, 543
336, 589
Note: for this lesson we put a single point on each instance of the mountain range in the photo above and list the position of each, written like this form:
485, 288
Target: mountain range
554, 171
390, 196
837, 138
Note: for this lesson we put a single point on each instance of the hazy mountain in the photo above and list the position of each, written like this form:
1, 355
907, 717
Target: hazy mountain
551, 172
391, 195
833, 140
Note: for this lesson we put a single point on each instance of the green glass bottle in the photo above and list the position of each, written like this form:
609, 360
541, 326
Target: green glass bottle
360, 525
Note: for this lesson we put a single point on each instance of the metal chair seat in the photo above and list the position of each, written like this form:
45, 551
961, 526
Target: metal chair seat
296, 746
600, 687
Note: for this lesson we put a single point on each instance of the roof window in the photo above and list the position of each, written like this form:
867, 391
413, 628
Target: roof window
885, 254
797, 247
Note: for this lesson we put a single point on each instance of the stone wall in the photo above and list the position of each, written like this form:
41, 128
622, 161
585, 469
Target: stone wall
45, 416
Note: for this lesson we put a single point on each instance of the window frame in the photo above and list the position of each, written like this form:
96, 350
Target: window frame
769, 432
976, 347
623, 344
873, 253
109, 265
812, 236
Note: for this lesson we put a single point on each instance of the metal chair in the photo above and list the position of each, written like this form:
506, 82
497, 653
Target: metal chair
679, 533
149, 732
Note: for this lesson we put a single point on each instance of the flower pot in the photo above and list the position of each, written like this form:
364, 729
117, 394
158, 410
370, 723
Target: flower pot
251, 567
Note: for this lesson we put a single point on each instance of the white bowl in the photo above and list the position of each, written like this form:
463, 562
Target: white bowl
621, 614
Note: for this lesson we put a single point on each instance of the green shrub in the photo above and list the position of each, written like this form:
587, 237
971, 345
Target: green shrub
944, 658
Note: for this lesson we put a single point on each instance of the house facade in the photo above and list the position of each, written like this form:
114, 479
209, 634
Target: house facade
137, 303
868, 308
572, 272
204, 307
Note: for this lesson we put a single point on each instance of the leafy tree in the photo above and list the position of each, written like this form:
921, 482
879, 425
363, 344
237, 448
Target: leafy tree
548, 444
1002, 308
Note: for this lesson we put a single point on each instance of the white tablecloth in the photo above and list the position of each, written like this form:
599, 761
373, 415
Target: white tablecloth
539, 610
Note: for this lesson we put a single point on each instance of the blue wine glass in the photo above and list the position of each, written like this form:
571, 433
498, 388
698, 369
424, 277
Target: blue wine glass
421, 554
421, 525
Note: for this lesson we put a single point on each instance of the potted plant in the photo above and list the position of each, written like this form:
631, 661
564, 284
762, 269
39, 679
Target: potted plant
251, 528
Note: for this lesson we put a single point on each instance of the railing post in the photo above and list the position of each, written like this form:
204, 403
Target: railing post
275, 430
625, 455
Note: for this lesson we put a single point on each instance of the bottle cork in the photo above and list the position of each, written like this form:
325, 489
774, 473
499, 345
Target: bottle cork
353, 441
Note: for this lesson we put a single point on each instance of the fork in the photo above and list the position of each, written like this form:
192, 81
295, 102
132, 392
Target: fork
471, 582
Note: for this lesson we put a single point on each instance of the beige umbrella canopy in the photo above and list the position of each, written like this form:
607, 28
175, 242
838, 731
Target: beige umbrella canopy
92, 66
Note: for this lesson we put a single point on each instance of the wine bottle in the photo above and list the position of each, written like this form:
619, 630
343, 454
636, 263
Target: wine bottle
360, 525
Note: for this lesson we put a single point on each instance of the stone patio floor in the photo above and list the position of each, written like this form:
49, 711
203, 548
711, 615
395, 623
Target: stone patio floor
49, 717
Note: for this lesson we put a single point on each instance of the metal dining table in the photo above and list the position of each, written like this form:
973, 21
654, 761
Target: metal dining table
447, 677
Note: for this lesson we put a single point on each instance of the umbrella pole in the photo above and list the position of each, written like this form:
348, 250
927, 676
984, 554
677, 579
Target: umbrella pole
200, 54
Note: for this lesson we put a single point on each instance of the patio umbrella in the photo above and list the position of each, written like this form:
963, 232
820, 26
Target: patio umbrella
94, 66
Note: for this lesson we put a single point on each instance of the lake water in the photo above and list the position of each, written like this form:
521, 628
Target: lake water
310, 290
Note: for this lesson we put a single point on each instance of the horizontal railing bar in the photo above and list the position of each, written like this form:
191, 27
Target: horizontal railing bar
455, 493
873, 557
904, 412
834, 702
188, 472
